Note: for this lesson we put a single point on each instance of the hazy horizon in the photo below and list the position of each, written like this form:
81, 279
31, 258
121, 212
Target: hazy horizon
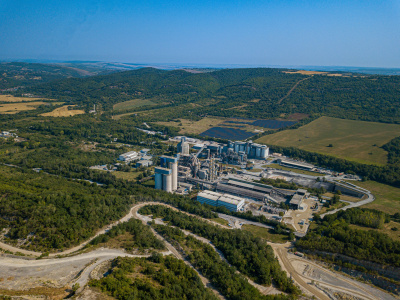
257, 33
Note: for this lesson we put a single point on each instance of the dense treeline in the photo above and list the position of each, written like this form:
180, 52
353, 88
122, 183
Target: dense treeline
142, 237
203, 257
361, 216
54, 212
334, 235
251, 256
224, 92
156, 277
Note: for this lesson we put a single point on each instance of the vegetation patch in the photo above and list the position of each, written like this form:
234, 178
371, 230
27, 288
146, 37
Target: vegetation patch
335, 235
265, 233
353, 140
155, 277
64, 111
132, 104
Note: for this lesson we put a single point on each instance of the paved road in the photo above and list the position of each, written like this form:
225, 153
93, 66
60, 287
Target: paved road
370, 198
235, 222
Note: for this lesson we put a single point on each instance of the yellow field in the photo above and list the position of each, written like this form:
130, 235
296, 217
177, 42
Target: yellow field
13, 108
63, 112
12, 99
304, 72
353, 140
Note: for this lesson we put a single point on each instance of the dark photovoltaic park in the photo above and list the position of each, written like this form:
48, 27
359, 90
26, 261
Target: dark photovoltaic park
227, 133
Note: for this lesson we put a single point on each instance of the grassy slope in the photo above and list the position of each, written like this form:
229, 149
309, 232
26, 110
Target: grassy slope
387, 197
265, 233
352, 140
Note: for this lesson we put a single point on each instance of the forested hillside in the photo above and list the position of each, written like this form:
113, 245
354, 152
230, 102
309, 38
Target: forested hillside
17, 74
250, 93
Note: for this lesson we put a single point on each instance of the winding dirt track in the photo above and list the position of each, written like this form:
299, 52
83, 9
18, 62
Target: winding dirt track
281, 252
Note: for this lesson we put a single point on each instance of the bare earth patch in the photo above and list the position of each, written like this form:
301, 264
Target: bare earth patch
63, 112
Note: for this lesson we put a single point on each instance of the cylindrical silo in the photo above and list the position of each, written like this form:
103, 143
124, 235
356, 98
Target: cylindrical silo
167, 183
258, 152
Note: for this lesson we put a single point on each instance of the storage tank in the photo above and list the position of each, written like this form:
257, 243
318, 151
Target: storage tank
203, 174
159, 181
167, 183
258, 152
264, 152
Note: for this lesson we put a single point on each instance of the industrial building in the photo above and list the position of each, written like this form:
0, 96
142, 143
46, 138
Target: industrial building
230, 202
295, 164
144, 163
128, 156
166, 176
250, 149
252, 190
298, 198
163, 179
183, 146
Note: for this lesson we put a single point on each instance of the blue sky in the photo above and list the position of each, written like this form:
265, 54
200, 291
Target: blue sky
297, 32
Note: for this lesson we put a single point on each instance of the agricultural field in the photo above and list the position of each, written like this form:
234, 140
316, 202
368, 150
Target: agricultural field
15, 107
63, 111
353, 140
12, 99
132, 104
304, 72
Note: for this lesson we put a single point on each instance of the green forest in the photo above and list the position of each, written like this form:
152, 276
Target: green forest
224, 93
334, 235
251, 256
156, 277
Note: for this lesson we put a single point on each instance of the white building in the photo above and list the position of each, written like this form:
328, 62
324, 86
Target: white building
128, 156
233, 203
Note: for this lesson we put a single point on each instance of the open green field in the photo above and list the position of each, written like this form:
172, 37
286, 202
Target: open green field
130, 176
265, 233
387, 197
353, 140
132, 104
279, 167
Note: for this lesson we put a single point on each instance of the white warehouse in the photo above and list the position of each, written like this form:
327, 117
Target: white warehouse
128, 156
233, 203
